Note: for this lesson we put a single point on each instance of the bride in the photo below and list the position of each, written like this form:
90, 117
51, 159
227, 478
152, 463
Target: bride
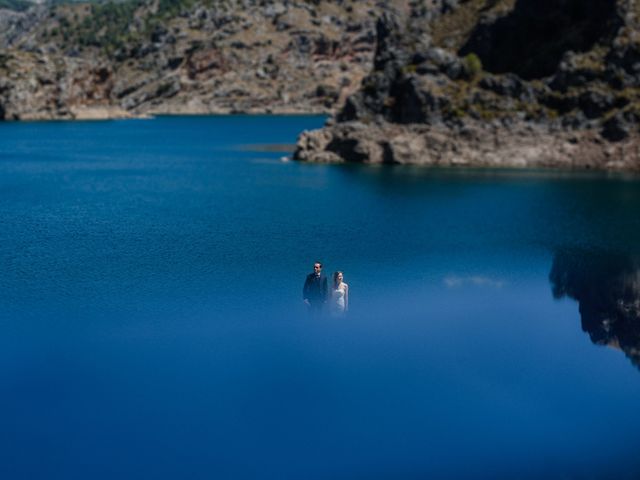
339, 301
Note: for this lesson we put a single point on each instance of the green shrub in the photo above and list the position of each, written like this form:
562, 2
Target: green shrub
409, 69
472, 65
108, 25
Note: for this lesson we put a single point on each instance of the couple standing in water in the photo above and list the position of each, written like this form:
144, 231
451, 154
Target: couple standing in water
316, 293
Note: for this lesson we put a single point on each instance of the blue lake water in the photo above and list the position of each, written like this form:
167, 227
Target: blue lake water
151, 322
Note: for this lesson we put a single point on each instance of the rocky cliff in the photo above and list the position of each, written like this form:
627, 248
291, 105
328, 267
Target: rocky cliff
495, 83
141, 57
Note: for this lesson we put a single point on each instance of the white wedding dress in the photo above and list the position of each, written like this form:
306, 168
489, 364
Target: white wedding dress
337, 304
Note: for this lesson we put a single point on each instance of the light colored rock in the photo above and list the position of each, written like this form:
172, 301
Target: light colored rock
522, 146
99, 112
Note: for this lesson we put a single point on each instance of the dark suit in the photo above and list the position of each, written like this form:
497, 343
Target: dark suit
316, 291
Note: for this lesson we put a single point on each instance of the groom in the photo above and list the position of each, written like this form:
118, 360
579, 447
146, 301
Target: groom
315, 290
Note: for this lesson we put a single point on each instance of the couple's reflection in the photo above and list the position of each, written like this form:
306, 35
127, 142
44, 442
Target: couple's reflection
606, 286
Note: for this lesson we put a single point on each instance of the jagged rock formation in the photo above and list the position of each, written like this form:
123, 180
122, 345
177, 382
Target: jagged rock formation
141, 57
496, 83
607, 288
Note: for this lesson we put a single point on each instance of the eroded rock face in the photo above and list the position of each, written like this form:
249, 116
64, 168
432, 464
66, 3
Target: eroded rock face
576, 109
196, 57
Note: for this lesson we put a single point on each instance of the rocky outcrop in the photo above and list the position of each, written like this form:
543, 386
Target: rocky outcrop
518, 83
184, 57
474, 144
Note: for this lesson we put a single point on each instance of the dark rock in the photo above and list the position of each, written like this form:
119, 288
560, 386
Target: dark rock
327, 91
448, 5
168, 88
616, 128
174, 62
427, 68
158, 34
348, 149
575, 120
324, 46
570, 76
532, 39
560, 103
595, 104
354, 27
618, 79
409, 103
128, 90
626, 57
45, 81
454, 70
201, 14
388, 156
353, 109
508, 85
143, 51
390, 51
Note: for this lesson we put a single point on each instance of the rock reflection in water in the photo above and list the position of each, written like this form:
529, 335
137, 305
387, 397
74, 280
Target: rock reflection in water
607, 288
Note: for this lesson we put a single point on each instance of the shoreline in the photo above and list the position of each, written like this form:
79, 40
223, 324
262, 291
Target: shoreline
477, 145
525, 146
152, 116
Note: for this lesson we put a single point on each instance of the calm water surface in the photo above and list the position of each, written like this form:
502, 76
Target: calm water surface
151, 324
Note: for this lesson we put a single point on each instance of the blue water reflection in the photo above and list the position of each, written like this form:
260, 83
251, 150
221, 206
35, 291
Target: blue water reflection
152, 325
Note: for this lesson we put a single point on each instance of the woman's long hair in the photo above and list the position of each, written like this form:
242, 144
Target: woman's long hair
335, 278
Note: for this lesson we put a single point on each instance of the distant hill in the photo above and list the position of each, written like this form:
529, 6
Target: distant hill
139, 57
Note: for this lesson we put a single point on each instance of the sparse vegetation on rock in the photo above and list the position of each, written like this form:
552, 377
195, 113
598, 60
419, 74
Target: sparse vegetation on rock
491, 82
498, 83
139, 57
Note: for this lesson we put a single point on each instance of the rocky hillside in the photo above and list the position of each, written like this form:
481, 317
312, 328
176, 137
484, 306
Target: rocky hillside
498, 83
141, 57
